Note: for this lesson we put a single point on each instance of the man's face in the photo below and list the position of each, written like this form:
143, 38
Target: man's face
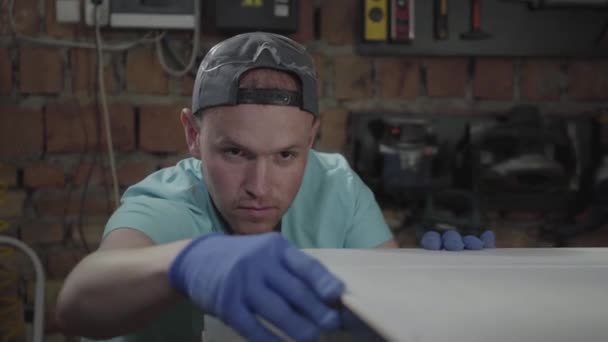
253, 160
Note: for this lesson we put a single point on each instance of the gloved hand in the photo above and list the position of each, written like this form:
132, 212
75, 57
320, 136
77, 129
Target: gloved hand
451, 240
238, 277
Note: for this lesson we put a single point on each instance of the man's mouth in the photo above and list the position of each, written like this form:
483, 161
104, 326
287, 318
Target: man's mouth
257, 212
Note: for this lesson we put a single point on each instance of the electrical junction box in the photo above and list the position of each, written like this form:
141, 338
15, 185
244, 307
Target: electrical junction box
252, 15
164, 14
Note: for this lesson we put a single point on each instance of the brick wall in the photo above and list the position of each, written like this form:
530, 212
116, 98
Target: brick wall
52, 152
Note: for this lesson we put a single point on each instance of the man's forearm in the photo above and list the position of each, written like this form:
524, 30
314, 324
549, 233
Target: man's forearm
112, 292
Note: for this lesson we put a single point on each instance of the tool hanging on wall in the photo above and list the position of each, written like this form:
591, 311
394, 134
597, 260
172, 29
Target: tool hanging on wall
375, 20
402, 20
542, 4
233, 16
441, 19
476, 32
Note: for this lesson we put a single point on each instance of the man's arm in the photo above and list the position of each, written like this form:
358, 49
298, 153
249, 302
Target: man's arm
122, 286
118, 288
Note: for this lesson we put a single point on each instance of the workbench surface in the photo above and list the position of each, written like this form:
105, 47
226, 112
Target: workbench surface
498, 295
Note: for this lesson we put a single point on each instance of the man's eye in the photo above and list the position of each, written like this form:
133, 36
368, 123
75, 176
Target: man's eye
285, 155
233, 152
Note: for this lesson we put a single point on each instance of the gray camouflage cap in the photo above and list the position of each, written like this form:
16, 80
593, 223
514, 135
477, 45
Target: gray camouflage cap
217, 79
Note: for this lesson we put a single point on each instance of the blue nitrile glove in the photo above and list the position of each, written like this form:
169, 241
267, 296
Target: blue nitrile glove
451, 240
489, 239
431, 240
238, 277
472, 242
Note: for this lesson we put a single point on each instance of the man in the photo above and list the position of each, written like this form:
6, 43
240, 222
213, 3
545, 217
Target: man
219, 233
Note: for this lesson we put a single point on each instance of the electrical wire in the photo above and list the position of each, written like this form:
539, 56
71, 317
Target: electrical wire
149, 37
104, 107
195, 46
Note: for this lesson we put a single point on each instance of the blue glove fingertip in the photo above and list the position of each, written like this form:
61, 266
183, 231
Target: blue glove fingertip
311, 271
431, 240
331, 320
330, 287
489, 239
452, 241
472, 242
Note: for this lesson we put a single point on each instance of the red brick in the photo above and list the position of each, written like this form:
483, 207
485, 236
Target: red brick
446, 77
588, 80
42, 175
132, 172
53, 28
397, 77
337, 24
8, 175
53, 204
6, 72
187, 85
541, 79
5, 29
319, 61
306, 24
333, 131
12, 204
493, 78
16, 262
21, 132
353, 78
160, 129
84, 73
144, 73
34, 62
92, 233
25, 14
73, 128
35, 233
96, 174
61, 262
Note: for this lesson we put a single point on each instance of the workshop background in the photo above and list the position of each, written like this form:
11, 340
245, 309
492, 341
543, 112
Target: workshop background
54, 167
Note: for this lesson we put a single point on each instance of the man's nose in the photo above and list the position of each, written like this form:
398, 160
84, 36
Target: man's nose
257, 180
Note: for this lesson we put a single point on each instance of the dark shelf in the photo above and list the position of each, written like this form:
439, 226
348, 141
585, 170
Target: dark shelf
516, 30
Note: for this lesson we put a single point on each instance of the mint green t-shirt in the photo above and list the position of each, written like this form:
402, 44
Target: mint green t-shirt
332, 209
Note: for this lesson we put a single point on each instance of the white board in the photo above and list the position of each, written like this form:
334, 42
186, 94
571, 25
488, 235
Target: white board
499, 295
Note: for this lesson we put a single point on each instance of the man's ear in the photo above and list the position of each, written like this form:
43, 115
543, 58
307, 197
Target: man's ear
314, 131
192, 132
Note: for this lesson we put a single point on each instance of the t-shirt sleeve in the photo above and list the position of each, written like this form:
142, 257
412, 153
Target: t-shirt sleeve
368, 228
160, 219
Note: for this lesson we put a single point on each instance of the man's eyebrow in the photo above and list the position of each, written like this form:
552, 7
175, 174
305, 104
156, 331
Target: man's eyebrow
226, 141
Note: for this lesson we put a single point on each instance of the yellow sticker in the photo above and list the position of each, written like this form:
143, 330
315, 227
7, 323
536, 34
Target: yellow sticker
3, 225
252, 3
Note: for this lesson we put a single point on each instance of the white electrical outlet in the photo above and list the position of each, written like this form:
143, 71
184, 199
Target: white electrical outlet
67, 11
104, 15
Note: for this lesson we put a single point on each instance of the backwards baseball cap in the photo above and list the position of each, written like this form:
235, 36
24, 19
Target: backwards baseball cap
217, 79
